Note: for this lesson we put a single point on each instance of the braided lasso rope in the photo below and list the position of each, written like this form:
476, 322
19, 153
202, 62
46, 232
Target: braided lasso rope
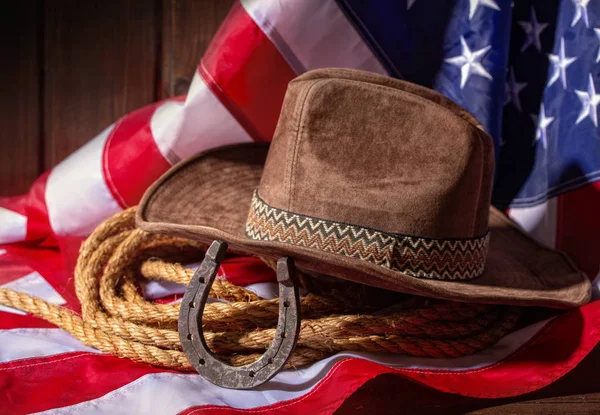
116, 319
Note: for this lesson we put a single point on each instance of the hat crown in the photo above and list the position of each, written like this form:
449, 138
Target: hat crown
368, 150
368, 179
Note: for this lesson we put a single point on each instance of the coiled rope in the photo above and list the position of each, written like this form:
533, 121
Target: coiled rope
116, 319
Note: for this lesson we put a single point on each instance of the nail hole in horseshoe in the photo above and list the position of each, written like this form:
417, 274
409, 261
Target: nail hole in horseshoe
192, 332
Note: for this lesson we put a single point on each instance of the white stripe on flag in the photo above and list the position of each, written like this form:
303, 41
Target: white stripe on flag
324, 39
33, 284
13, 226
76, 194
28, 343
539, 221
171, 393
201, 123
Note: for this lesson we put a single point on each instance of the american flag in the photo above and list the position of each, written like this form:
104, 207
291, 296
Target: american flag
527, 70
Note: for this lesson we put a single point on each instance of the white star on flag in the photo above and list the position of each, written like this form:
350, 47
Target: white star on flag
560, 63
409, 4
597, 31
580, 11
512, 90
469, 62
542, 124
533, 30
589, 101
474, 4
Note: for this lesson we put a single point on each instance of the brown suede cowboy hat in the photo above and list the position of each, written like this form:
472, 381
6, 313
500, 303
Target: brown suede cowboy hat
373, 180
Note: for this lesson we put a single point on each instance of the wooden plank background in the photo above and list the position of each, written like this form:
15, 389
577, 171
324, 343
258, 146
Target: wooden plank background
74, 67
21, 145
71, 68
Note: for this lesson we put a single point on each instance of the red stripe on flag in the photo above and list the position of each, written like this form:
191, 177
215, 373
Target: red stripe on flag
246, 270
50, 264
10, 321
75, 377
553, 352
38, 384
33, 206
38, 222
17, 204
131, 160
578, 228
12, 269
247, 73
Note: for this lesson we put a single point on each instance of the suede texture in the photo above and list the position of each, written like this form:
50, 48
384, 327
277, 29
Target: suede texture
378, 156
376, 152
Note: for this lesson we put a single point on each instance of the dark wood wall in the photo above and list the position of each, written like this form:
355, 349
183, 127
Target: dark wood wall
70, 68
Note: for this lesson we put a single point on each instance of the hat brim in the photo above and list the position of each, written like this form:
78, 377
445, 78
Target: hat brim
208, 197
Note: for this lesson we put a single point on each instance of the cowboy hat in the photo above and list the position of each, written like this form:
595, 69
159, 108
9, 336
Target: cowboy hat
373, 180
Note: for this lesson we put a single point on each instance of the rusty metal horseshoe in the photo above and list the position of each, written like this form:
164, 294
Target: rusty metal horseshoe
192, 336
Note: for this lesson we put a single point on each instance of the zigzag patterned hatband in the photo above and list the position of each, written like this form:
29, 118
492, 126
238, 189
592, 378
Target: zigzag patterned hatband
416, 256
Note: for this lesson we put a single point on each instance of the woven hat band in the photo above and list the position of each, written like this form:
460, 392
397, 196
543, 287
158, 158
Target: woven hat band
442, 259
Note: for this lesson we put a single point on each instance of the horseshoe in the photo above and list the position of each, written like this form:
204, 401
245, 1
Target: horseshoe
192, 336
